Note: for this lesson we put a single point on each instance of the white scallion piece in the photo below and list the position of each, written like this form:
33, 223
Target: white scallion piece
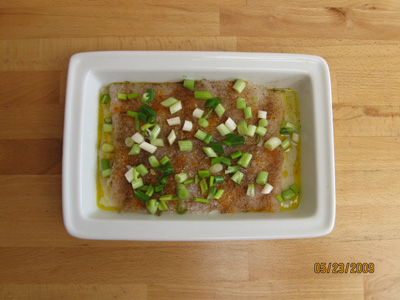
230, 124
272, 143
267, 189
174, 121
129, 175
262, 114
223, 130
187, 126
175, 107
198, 113
295, 137
148, 147
137, 138
171, 137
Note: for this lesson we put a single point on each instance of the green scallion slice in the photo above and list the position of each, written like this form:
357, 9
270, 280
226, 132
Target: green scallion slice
105, 164
239, 85
209, 152
204, 173
148, 110
185, 145
219, 110
285, 130
155, 131
202, 200
157, 142
133, 95
169, 102
108, 128
182, 192
201, 135
208, 113
212, 103
245, 160
295, 188
146, 126
233, 140
218, 194
189, 84
217, 147
166, 197
237, 154
121, 96
237, 177
188, 181
164, 160
135, 150
250, 190
288, 194
251, 130
150, 190
131, 113
242, 127
232, 169
106, 173
152, 206
262, 178
137, 183
105, 98
107, 148
142, 170
219, 179
279, 197
223, 130
272, 143
211, 192
202, 95
211, 183
203, 186
208, 138
240, 103
158, 187
143, 188
285, 144
247, 113
181, 177
261, 131
203, 123
162, 206
196, 179
175, 107
179, 211
141, 196
263, 122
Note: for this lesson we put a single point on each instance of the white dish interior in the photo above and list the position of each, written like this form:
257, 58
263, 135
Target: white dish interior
307, 75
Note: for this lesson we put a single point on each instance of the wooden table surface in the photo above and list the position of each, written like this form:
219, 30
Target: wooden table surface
360, 41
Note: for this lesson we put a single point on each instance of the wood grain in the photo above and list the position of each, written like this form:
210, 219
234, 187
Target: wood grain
359, 39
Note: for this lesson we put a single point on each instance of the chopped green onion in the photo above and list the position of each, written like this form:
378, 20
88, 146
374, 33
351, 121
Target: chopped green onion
143, 188
142, 170
153, 162
165, 170
137, 122
137, 183
208, 113
209, 152
122, 96
262, 114
202, 95
187, 126
285, 144
208, 138
216, 168
232, 169
135, 150
237, 177
203, 123
247, 113
219, 110
175, 107
219, 179
142, 116
279, 197
218, 194
223, 130
141, 196
188, 181
131, 113
181, 177
245, 160
237, 154
267, 189
295, 188
212, 103
287, 130
242, 127
106, 173
295, 137
262, 177
146, 126
162, 206
147, 110
155, 131
164, 160
201, 135
221, 160
164, 180
145, 98
203, 186
174, 121
211, 192
182, 192
179, 211
198, 113
105, 164
171, 137
251, 130
217, 147
107, 147
272, 143
189, 84
157, 142
152, 206
137, 138
230, 124
259, 139
196, 179
185, 145
288, 194
132, 95
263, 122
240, 103
158, 187
239, 85
212, 178
250, 190
108, 120
233, 140
202, 200
134, 174
261, 131
105, 98
150, 190
148, 147
150, 92
287, 124
166, 197
169, 102
204, 173
129, 175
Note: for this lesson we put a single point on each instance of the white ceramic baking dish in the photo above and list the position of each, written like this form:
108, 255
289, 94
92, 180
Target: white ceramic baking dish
307, 75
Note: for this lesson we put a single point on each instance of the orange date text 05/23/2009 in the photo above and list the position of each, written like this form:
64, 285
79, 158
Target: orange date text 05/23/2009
341, 268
